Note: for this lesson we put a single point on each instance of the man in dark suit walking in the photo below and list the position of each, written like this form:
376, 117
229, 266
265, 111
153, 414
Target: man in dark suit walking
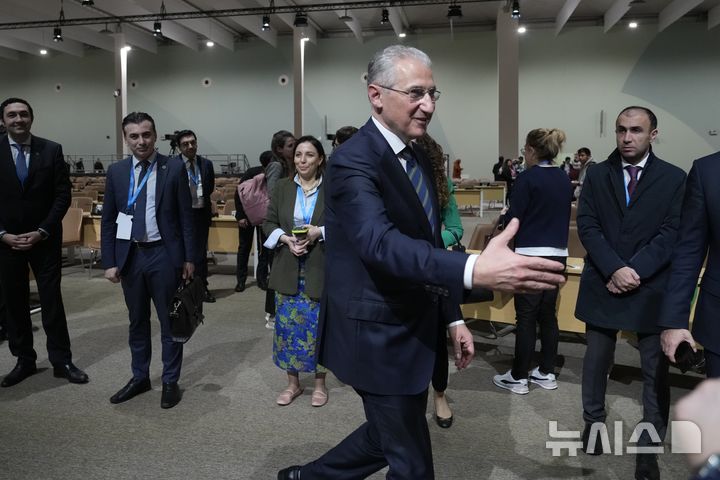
627, 220
201, 177
389, 282
699, 239
147, 245
34, 196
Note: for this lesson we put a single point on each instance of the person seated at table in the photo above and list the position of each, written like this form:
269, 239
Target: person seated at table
294, 229
451, 234
541, 201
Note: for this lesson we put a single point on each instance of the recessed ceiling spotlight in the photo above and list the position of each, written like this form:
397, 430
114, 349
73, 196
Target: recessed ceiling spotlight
43, 51
521, 29
402, 35
210, 43
633, 24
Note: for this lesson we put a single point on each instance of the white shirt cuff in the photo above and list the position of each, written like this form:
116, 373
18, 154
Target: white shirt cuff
469, 266
272, 240
322, 231
456, 322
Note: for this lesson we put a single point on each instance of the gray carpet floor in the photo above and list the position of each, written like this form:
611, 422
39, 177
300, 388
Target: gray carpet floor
229, 427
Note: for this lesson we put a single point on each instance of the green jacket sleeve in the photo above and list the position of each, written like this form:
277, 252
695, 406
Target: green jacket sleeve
451, 219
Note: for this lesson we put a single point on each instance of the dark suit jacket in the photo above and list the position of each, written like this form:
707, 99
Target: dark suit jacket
284, 272
699, 237
640, 235
173, 211
46, 196
379, 327
207, 172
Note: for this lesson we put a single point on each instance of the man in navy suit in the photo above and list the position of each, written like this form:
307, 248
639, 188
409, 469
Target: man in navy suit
389, 284
34, 196
201, 177
699, 239
628, 219
147, 245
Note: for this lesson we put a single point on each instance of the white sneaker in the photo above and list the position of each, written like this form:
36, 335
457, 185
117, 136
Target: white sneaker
546, 381
507, 382
269, 321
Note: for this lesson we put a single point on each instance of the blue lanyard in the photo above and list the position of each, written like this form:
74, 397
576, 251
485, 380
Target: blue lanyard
306, 213
195, 176
132, 197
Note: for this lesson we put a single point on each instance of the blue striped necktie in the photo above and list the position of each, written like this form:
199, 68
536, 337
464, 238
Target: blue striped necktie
21, 164
418, 182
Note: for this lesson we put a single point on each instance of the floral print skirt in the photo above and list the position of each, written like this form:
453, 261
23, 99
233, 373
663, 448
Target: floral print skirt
296, 325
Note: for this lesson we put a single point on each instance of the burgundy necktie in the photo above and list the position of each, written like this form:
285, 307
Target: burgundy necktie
632, 184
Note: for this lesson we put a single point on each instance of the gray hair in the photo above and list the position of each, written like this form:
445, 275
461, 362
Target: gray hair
381, 69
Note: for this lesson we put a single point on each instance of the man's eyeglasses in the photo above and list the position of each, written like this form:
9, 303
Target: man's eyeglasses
416, 94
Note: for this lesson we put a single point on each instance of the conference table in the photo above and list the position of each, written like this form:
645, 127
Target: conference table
502, 308
480, 195
223, 236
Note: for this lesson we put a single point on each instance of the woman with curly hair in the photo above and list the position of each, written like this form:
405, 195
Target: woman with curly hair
451, 234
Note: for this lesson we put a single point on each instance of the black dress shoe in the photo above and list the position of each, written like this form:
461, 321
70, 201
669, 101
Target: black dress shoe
71, 372
170, 395
598, 447
262, 283
289, 473
646, 467
209, 298
444, 422
240, 287
134, 387
21, 371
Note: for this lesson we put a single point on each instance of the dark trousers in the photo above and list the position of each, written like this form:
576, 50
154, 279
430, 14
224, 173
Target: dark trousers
150, 275
245, 240
201, 230
395, 434
532, 310
46, 262
712, 364
3, 312
440, 369
654, 366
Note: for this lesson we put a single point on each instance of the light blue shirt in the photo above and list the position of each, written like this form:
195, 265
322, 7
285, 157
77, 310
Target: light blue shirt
151, 228
25, 147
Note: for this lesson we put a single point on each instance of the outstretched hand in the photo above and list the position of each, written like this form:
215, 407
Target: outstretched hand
499, 268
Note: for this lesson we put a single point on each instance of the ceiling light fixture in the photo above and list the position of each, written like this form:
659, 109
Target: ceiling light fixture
301, 20
633, 24
57, 31
521, 29
515, 12
157, 26
385, 17
43, 51
209, 43
402, 35
345, 17
454, 11
265, 23
87, 3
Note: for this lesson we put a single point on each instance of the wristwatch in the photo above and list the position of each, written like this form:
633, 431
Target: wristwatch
43, 233
710, 470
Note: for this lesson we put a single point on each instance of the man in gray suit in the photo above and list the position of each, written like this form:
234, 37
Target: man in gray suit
628, 220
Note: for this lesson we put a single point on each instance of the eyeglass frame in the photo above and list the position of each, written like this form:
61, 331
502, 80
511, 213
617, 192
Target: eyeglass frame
434, 93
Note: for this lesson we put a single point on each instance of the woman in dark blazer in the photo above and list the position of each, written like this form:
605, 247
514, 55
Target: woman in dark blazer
294, 231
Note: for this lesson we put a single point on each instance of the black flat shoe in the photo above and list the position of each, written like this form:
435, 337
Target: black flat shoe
444, 422
72, 373
134, 387
240, 287
289, 473
21, 371
209, 298
170, 395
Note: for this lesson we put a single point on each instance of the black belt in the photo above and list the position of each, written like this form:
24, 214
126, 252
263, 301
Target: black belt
156, 243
